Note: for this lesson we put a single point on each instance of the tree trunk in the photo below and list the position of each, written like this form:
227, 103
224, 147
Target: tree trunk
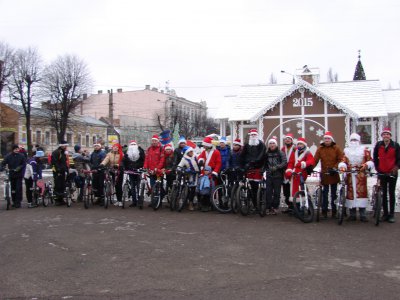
28, 133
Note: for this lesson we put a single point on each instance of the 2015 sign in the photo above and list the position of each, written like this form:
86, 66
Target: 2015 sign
299, 102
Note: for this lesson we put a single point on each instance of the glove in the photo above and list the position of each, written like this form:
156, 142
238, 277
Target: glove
17, 169
331, 171
273, 169
395, 171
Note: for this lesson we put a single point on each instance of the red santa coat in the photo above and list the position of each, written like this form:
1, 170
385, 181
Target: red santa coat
288, 151
211, 159
154, 158
298, 163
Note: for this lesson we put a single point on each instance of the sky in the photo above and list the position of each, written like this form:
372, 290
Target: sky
207, 49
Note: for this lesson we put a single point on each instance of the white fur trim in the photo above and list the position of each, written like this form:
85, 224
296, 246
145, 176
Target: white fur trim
303, 164
342, 165
215, 173
289, 170
206, 144
361, 202
370, 164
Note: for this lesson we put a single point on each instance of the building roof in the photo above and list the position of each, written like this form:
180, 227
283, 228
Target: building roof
44, 113
359, 99
392, 100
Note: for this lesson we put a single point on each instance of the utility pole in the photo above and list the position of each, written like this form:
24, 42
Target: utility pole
1, 90
111, 107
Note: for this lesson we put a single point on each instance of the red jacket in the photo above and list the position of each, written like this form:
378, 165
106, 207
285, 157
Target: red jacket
212, 159
154, 158
386, 159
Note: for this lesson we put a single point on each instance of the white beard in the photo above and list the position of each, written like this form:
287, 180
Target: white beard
355, 154
133, 152
254, 141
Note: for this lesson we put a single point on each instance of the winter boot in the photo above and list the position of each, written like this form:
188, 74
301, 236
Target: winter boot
353, 212
324, 214
363, 216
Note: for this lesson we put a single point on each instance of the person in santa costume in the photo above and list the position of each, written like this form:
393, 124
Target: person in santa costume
356, 157
134, 160
387, 161
300, 159
252, 160
330, 156
287, 148
210, 156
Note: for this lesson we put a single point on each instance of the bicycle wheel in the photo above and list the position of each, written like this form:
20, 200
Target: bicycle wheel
68, 198
125, 194
304, 213
156, 196
234, 202
243, 195
341, 210
378, 207
86, 196
8, 196
261, 205
318, 202
107, 194
172, 197
219, 199
182, 198
141, 194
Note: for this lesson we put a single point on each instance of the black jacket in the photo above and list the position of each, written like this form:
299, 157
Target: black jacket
275, 163
253, 156
16, 164
96, 158
177, 157
134, 165
59, 160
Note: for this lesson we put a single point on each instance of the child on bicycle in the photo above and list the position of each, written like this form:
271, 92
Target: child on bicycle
204, 188
190, 166
33, 172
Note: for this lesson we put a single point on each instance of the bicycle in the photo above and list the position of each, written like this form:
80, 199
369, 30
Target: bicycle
38, 188
183, 191
235, 185
318, 198
376, 199
88, 195
244, 196
70, 189
221, 195
126, 187
156, 192
261, 196
144, 188
174, 192
7, 189
108, 188
48, 194
302, 203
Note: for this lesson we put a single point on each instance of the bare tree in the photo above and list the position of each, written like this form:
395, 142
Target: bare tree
332, 77
65, 80
6, 64
24, 83
272, 79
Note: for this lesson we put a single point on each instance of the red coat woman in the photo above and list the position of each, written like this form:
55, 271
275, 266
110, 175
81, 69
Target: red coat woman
299, 160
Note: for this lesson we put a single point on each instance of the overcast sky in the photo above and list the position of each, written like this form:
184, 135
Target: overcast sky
206, 49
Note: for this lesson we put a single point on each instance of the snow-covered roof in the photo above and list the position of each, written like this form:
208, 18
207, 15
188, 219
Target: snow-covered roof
359, 99
392, 101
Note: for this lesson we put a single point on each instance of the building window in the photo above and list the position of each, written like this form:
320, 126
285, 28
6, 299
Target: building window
79, 139
365, 130
87, 140
69, 138
94, 140
38, 137
47, 138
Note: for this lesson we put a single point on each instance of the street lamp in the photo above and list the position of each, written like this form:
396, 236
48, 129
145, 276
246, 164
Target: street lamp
293, 76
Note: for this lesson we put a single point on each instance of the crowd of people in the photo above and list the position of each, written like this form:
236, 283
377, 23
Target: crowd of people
256, 158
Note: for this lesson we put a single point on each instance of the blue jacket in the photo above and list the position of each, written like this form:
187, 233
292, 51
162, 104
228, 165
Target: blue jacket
225, 157
234, 162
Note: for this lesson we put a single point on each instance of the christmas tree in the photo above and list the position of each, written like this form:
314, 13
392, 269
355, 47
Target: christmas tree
359, 73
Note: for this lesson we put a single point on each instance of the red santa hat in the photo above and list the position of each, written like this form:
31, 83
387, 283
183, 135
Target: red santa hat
237, 142
132, 142
168, 147
329, 135
290, 136
253, 131
155, 137
302, 140
273, 140
207, 142
386, 130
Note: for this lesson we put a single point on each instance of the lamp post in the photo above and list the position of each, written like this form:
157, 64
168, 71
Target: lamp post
293, 76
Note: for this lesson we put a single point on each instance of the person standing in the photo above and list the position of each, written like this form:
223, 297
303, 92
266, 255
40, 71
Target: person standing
190, 165
178, 152
299, 161
33, 172
113, 160
358, 158
59, 163
81, 161
169, 167
96, 158
225, 152
252, 160
211, 157
15, 162
287, 148
387, 162
330, 156
275, 166
134, 160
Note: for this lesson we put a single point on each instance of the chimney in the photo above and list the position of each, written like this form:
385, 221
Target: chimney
310, 75
119, 90
99, 92
147, 86
84, 96
154, 89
